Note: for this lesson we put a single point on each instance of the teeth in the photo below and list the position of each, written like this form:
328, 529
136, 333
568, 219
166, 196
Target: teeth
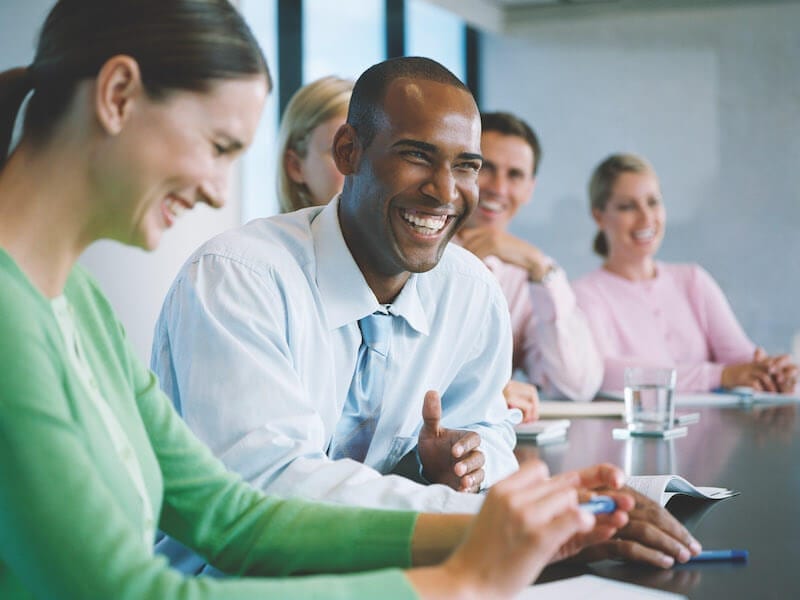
433, 223
175, 207
644, 234
491, 205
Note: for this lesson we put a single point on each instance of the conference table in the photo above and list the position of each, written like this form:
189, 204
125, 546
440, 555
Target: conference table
751, 448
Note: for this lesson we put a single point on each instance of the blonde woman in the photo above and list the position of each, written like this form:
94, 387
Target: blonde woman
307, 175
644, 311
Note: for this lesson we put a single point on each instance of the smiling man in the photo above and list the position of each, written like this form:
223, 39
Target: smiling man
265, 341
321, 351
552, 340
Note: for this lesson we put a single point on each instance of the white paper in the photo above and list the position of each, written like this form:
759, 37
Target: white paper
661, 488
545, 428
591, 587
734, 398
549, 409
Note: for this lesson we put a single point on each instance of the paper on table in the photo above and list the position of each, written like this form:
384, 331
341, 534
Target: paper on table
726, 399
549, 409
591, 587
543, 431
661, 488
734, 398
707, 399
769, 396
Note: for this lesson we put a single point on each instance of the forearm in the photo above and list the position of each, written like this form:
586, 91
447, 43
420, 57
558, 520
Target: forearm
558, 349
563, 359
436, 536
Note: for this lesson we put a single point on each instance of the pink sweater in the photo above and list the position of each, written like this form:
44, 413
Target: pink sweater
680, 318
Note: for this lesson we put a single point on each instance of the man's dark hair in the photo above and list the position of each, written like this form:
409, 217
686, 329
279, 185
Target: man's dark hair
366, 103
508, 124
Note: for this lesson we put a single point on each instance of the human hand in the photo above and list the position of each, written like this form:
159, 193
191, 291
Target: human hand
764, 373
651, 536
525, 519
783, 371
448, 456
523, 396
488, 241
756, 374
607, 479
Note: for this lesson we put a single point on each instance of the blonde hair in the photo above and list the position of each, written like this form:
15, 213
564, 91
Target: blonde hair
311, 105
602, 183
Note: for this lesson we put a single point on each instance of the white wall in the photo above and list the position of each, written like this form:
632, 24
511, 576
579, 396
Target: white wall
711, 96
136, 281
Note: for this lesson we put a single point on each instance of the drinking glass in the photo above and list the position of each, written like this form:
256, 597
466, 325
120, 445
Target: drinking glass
649, 399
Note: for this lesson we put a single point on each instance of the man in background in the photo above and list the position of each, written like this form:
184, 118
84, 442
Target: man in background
553, 344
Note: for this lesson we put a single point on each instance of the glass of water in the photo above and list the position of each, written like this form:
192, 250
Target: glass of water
649, 399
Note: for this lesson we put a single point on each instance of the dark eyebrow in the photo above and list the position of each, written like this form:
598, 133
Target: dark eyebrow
416, 144
231, 143
431, 149
471, 156
234, 146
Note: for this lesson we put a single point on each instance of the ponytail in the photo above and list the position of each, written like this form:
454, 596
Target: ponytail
600, 245
15, 85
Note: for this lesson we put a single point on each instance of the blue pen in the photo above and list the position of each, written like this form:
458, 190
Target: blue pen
729, 555
599, 505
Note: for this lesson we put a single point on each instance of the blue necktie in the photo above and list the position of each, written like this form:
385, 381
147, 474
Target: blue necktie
363, 406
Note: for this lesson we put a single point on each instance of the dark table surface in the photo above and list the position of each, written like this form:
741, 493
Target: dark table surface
754, 450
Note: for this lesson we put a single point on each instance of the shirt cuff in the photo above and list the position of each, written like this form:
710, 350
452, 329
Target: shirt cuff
554, 299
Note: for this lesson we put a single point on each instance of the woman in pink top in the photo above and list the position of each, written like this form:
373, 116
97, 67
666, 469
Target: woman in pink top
647, 312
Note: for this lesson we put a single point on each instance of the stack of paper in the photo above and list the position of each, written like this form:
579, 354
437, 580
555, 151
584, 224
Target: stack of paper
543, 432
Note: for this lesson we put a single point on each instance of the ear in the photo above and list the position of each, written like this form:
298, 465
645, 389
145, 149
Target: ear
597, 215
294, 166
346, 150
118, 87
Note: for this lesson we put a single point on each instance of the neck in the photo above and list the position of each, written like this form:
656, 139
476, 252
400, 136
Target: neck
44, 214
639, 270
386, 289
385, 283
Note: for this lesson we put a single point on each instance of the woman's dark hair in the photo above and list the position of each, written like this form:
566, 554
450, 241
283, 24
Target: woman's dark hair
178, 44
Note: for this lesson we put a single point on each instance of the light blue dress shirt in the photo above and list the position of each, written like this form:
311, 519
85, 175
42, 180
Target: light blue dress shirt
257, 343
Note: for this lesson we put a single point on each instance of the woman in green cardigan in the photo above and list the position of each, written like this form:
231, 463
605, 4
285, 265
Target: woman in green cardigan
138, 109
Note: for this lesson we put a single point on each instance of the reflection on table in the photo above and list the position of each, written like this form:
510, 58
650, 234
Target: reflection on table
752, 449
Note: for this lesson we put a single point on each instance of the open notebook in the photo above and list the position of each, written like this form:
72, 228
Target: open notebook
661, 488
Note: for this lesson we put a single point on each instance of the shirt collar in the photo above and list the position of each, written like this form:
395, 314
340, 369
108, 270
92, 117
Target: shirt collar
344, 294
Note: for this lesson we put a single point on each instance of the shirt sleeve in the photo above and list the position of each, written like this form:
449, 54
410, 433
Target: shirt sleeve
239, 391
558, 350
727, 340
474, 399
63, 533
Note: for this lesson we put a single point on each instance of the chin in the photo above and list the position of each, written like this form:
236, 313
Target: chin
148, 242
422, 264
